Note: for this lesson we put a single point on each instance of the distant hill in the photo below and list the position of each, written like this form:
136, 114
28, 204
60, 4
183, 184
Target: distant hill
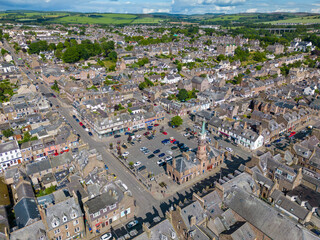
154, 18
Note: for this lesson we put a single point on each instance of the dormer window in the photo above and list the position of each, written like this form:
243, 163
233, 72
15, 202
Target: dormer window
74, 213
64, 218
55, 222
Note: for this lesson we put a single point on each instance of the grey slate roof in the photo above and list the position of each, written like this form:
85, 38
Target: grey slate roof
38, 166
8, 146
62, 209
34, 231
100, 202
26, 210
265, 217
24, 190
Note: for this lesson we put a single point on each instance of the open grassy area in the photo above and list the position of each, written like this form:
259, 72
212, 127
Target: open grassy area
106, 19
305, 20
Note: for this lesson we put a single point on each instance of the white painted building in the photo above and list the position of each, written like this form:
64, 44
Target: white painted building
10, 155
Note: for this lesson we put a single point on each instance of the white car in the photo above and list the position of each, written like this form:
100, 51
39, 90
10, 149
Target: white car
143, 149
137, 164
161, 161
229, 149
125, 154
168, 158
106, 236
138, 136
186, 134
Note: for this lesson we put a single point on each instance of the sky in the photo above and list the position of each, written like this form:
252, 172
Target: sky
165, 6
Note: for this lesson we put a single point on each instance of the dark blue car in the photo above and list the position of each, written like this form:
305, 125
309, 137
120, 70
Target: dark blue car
161, 155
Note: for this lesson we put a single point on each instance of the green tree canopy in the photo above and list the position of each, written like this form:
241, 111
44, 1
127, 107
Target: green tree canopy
71, 55
182, 95
176, 121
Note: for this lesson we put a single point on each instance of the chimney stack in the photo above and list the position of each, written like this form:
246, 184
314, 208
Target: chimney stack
174, 163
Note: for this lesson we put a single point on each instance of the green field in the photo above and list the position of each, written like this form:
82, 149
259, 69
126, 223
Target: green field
106, 19
304, 20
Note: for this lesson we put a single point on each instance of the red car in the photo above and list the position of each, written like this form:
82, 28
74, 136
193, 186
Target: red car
164, 133
81, 124
146, 133
173, 140
156, 125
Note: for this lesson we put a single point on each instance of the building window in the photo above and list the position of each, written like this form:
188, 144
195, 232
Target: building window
77, 229
64, 219
113, 206
76, 222
97, 214
66, 226
68, 234
57, 231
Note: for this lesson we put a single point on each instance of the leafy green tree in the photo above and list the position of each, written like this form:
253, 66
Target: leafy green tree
221, 57
176, 121
37, 47
52, 47
3, 51
142, 85
55, 86
71, 55
179, 67
60, 46
182, 95
7, 132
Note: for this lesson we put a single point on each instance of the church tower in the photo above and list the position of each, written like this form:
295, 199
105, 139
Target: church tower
202, 142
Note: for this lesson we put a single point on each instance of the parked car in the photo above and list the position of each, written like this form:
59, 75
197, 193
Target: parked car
146, 133
106, 236
80, 123
132, 224
161, 155
117, 136
156, 125
143, 149
186, 134
161, 162
127, 133
74, 116
125, 154
90, 133
168, 158
164, 133
141, 168
77, 120
229, 149
174, 148
156, 151
124, 146
173, 141
151, 156
137, 164
146, 151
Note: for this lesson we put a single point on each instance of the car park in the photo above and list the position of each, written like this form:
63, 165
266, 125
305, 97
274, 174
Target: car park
137, 164
106, 236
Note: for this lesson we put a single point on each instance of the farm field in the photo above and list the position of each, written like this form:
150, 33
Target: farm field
304, 20
106, 19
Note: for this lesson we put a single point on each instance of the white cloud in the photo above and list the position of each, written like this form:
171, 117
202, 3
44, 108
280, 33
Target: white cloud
152, 10
287, 10
315, 10
252, 10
